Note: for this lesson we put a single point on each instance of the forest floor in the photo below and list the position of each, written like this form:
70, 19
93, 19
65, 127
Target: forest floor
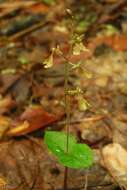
31, 97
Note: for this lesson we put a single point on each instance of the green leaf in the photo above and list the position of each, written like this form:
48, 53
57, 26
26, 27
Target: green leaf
57, 141
78, 155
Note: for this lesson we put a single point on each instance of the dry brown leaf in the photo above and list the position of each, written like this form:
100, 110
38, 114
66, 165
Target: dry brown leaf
6, 104
19, 129
3, 183
117, 42
115, 160
5, 122
33, 118
38, 8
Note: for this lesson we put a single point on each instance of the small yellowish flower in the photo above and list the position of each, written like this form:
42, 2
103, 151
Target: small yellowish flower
74, 92
48, 63
57, 50
78, 48
83, 105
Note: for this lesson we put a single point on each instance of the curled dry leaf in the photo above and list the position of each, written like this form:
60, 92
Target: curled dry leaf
120, 131
20, 128
3, 183
115, 160
94, 131
5, 122
32, 119
6, 104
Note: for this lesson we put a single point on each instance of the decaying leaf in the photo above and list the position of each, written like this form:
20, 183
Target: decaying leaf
117, 42
33, 118
38, 8
3, 183
120, 131
19, 128
6, 104
115, 160
5, 122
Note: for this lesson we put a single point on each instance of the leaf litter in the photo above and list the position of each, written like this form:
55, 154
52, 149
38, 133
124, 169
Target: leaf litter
32, 97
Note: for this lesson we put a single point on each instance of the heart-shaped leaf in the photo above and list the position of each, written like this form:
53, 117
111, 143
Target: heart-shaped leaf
56, 142
81, 157
77, 156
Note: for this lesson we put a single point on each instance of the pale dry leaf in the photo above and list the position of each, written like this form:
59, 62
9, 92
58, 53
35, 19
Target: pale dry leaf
115, 160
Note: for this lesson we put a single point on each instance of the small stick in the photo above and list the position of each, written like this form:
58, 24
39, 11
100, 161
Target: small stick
89, 119
65, 178
27, 31
86, 182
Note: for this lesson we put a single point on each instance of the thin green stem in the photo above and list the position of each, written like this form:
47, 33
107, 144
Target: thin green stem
67, 111
67, 103
67, 106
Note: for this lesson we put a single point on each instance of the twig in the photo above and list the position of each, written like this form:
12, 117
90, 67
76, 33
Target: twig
89, 119
90, 186
116, 6
105, 17
65, 186
17, 4
50, 18
28, 30
10, 7
86, 182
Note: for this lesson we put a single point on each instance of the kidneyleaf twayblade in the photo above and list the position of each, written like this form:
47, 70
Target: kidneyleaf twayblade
56, 142
77, 156
80, 157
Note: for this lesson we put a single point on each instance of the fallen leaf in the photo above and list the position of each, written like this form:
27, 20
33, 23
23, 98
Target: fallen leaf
5, 122
33, 118
117, 42
6, 104
21, 89
114, 156
38, 8
101, 81
18, 129
7, 81
3, 183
